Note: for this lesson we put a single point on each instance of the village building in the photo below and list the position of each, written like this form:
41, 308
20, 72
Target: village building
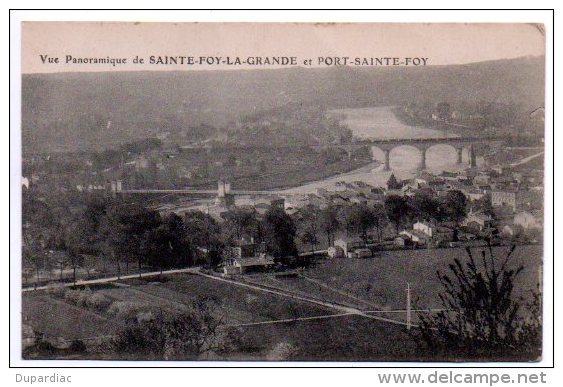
527, 220
416, 237
477, 221
482, 179
402, 240
426, 233
473, 193
234, 266
348, 247
504, 198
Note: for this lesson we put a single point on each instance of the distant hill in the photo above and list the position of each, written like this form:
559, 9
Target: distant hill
71, 111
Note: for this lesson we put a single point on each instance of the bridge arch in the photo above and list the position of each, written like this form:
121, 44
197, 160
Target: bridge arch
381, 151
449, 153
388, 152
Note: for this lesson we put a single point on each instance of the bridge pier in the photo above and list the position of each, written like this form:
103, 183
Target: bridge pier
472, 157
459, 155
387, 166
422, 165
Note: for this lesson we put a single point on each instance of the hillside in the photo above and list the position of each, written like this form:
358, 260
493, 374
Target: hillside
71, 111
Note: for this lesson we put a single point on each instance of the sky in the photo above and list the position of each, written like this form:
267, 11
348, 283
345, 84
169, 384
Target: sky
442, 44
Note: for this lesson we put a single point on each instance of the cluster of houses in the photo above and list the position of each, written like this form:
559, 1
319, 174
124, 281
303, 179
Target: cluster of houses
246, 256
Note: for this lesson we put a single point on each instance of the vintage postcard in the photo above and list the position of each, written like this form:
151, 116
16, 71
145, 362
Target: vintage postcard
282, 191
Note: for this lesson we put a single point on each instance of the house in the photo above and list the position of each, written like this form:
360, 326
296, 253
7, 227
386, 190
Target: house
410, 189
527, 220
424, 227
426, 233
348, 247
335, 252
415, 236
477, 221
466, 236
443, 234
246, 265
473, 193
278, 203
363, 253
482, 179
449, 176
262, 208
504, 198
401, 240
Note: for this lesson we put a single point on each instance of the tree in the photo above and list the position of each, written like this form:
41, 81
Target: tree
481, 317
309, 221
310, 237
279, 232
76, 244
425, 206
485, 205
362, 220
203, 231
329, 223
167, 244
181, 335
345, 214
380, 220
33, 253
241, 220
397, 210
125, 229
454, 206
393, 183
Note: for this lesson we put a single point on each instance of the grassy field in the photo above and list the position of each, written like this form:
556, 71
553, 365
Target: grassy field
57, 318
347, 338
383, 279
361, 283
239, 305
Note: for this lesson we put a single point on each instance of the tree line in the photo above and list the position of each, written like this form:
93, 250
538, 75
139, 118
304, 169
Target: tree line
130, 234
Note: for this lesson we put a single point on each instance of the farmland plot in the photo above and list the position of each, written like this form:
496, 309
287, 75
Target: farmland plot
383, 279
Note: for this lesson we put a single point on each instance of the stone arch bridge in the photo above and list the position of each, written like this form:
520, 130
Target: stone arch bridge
422, 144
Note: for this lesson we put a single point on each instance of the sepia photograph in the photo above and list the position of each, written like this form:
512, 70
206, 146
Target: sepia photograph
294, 192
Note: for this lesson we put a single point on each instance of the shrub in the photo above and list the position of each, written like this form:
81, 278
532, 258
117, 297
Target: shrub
98, 301
78, 297
282, 351
72, 296
77, 345
126, 310
56, 289
83, 296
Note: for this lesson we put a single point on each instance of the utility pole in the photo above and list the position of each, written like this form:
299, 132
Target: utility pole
540, 279
408, 306
540, 285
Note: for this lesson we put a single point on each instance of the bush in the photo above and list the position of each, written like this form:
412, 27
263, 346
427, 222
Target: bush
98, 301
282, 351
78, 297
77, 345
83, 297
72, 296
56, 289
127, 310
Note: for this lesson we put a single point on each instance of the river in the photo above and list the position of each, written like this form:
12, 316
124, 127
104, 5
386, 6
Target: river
381, 123
375, 123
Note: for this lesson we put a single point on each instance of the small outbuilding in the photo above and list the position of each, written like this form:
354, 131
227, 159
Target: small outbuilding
246, 265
